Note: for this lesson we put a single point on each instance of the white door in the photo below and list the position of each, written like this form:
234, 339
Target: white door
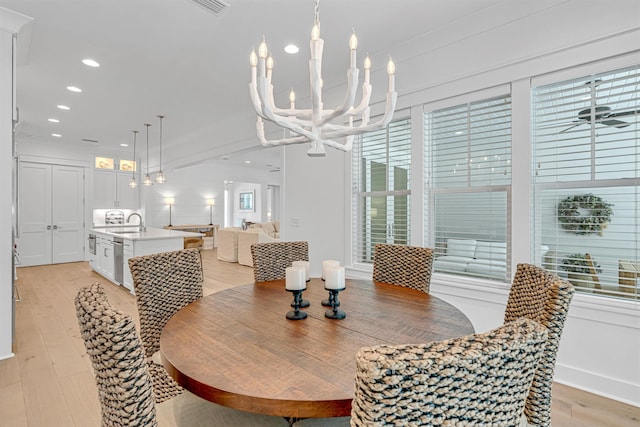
50, 214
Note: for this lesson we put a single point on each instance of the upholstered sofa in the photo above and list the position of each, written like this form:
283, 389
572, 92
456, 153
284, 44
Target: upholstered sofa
234, 244
248, 238
475, 257
271, 228
228, 244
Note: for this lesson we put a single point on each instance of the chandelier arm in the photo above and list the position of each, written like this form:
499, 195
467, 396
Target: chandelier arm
364, 102
255, 100
349, 99
284, 122
380, 124
264, 141
340, 146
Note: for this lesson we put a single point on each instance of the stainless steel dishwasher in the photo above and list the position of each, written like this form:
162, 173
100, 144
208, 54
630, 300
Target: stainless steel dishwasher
118, 265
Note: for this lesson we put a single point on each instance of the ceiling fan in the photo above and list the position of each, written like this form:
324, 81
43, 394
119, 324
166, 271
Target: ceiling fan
602, 115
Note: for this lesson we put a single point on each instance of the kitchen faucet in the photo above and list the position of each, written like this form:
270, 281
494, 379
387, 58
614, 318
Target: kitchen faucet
142, 227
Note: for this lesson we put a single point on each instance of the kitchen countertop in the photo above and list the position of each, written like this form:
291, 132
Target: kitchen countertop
150, 234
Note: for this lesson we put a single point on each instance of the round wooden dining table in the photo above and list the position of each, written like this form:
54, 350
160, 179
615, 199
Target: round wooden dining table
237, 348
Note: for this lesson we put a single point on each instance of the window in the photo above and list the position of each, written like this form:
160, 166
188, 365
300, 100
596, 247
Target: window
586, 188
468, 185
381, 197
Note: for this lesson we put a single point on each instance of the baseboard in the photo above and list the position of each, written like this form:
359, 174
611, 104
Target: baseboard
592, 382
7, 356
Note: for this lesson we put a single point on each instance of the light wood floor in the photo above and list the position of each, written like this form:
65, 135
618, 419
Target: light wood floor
50, 380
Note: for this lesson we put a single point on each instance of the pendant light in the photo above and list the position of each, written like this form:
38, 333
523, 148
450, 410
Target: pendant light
133, 183
160, 179
147, 179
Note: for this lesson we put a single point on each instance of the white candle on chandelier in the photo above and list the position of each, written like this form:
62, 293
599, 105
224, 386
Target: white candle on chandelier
292, 99
353, 45
269, 67
253, 60
391, 69
367, 69
316, 42
263, 51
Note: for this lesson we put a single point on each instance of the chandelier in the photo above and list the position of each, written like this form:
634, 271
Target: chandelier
317, 126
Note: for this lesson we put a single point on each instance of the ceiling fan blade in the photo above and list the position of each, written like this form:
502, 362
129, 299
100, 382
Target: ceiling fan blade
624, 113
616, 123
571, 127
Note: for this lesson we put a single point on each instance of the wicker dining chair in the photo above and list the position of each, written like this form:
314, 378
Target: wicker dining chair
542, 296
164, 283
271, 259
408, 266
475, 380
124, 383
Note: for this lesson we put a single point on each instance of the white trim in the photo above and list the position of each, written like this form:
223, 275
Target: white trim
7, 356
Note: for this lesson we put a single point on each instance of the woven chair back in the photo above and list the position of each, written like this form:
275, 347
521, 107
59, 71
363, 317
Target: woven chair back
475, 380
271, 259
539, 295
408, 266
164, 283
110, 337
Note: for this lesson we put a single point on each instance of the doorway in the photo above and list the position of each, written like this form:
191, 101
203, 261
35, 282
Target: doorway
50, 213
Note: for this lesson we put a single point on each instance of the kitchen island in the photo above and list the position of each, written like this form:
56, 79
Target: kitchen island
115, 245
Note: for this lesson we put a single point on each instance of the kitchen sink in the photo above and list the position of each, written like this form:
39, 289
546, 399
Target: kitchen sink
124, 232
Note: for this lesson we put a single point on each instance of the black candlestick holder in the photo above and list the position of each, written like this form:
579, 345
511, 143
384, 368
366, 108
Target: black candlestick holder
296, 313
334, 313
327, 302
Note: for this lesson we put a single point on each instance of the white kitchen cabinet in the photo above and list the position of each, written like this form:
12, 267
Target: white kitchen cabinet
127, 253
104, 257
111, 179
134, 244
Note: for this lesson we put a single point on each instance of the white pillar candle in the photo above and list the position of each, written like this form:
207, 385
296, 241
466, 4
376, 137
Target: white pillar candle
334, 278
294, 279
305, 265
326, 264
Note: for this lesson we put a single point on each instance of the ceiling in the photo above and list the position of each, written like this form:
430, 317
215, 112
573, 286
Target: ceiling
173, 57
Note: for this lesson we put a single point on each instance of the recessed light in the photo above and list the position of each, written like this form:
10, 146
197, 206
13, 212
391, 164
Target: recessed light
74, 89
54, 120
57, 135
124, 145
291, 49
247, 161
90, 62
63, 107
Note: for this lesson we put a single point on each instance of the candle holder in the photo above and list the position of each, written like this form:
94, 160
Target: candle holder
296, 313
334, 313
304, 303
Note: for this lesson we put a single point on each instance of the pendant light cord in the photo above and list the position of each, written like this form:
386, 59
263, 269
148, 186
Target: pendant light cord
161, 117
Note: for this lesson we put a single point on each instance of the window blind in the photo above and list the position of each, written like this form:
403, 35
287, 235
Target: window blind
468, 172
586, 191
381, 194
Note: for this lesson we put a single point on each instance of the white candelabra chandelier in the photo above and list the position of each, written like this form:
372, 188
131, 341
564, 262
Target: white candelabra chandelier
317, 126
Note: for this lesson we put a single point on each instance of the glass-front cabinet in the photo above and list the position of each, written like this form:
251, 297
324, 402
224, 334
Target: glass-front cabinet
111, 179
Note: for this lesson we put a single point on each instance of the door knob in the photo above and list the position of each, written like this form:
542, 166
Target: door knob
48, 227
55, 227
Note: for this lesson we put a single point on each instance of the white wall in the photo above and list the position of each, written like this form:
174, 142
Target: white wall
314, 204
191, 186
600, 348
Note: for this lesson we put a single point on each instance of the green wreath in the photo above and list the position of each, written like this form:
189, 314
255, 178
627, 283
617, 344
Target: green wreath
572, 219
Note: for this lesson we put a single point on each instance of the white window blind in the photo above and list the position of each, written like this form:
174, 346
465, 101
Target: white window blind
468, 172
381, 195
586, 190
